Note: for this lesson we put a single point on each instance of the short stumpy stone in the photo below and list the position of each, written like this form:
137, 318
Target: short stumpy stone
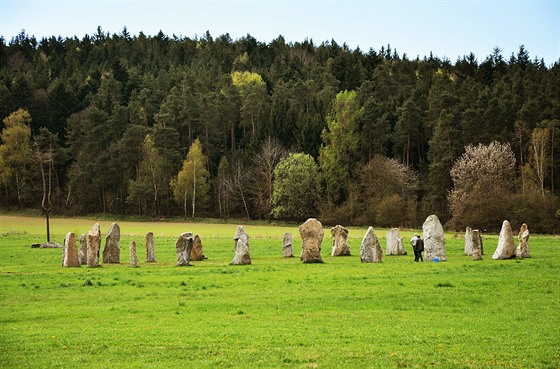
476, 245
196, 252
311, 233
394, 243
340, 245
112, 249
183, 248
287, 246
83, 249
133, 256
93, 245
506, 246
370, 250
522, 250
434, 241
242, 255
150, 248
70, 252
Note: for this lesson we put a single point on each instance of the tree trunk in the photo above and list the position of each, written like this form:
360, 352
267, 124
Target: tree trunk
194, 188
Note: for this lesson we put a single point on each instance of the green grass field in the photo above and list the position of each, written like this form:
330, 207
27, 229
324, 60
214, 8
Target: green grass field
277, 312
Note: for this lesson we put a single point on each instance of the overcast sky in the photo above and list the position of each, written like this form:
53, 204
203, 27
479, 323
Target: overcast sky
449, 29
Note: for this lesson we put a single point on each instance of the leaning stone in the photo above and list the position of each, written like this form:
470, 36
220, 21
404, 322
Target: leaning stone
476, 244
83, 249
370, 250
311, 233
434, 240
242, 255
287, 246
70, 252
506, 246
93, 245
340, 245
183, 248
133, 256
112, 249
150, 248
394, 243
522, 250
468, 241
196, 253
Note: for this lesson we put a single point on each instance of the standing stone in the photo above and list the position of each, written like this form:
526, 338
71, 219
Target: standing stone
196, 252
242, 255
370, 250
150, 248
311, 233
476, 244
522, 250
340, 245
434, 240
287, 246
70, 252
83, 249
394, 243
93, 245
506, 246
133, 256
468, 241
112, 249
183, 248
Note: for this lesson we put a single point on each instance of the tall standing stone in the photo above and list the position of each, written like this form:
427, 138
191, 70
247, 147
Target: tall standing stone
434, 240
133, 256
287, 246
150, 248
70, 252
93, 245
476, 245
468, 241
112, 249
506, 246
242, 255
183, 248
311, 233
340, 245
196, 252
522, 250
394, 243
83, 249
370, 250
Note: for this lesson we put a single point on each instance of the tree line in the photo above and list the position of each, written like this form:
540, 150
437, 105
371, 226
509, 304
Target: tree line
166, 126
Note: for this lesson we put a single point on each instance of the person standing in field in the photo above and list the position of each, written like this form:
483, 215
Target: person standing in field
418, 247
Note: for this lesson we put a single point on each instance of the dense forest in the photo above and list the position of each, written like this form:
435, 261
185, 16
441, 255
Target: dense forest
166, 126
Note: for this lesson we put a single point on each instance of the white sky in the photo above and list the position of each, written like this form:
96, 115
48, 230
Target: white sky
447, 28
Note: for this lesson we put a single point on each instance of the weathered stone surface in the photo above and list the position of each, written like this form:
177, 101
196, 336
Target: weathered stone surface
434, 241
183, 248
340, 245
83, 249
196, 252
46, 245
468, 241
394, 243
506, 246
112, 249
242, 255
522, 250
70, 252
93, 245
133, 256
287, 246
476, 245
150, 248
370, 250
311, 233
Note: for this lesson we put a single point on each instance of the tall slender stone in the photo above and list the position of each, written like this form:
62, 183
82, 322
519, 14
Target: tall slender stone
287, 246
394, 243
83, 249
434, 240
476, 245
340, 245
370, 249
468, 241
150, 248
242, 255
506, 246
183, 248
70, 252
93, 245
311, 233
522, 250
196, 253
133, 256
112, 249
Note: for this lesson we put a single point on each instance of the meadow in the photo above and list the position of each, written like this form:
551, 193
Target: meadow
277, 312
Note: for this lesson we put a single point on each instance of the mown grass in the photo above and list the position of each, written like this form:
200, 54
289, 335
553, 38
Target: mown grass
277, 312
